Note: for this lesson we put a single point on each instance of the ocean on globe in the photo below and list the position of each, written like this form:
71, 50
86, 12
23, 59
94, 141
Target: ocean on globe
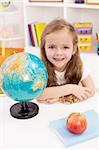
23, 77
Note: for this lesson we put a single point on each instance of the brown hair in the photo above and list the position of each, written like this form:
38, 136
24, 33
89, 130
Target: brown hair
73, 68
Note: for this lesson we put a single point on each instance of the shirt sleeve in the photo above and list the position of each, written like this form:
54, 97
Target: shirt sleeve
86, 71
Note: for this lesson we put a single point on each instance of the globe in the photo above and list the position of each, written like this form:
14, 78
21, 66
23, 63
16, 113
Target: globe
23, 77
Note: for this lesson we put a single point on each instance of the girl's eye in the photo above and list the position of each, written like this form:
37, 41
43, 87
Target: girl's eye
66, 47
51, 47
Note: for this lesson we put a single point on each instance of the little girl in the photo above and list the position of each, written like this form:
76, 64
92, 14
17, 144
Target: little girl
66, 73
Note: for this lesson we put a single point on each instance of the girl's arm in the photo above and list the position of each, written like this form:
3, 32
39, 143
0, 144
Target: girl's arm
56, 92
88, 82
53, 93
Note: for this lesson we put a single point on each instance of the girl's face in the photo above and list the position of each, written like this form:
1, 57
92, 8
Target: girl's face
59, 48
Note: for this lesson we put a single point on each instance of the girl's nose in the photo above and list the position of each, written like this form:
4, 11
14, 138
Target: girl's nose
58, 51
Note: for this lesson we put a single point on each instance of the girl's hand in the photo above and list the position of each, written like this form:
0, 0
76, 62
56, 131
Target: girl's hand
81, 92
50, 100
53, 100
41, 100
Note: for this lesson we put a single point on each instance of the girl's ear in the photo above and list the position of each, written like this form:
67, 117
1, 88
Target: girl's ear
74, 50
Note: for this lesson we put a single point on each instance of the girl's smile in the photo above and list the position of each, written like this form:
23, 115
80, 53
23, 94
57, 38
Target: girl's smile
58, 59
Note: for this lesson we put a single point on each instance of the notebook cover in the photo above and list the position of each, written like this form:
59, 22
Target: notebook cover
70, 139
39, 27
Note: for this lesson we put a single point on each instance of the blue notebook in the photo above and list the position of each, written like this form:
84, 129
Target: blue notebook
70, 139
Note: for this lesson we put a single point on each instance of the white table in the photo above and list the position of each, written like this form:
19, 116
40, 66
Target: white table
36, 132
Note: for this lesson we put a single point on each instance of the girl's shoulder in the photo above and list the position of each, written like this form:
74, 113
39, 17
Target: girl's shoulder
86, 71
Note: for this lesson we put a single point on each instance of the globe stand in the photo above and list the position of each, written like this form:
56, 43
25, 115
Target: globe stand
24, 110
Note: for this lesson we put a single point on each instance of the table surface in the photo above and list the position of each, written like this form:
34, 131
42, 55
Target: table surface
36, 132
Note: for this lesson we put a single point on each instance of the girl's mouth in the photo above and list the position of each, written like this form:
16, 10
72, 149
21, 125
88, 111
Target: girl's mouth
58, 59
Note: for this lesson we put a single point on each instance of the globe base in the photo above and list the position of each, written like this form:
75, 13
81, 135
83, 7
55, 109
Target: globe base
24, 110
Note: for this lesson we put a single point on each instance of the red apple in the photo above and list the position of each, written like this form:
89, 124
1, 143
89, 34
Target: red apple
76, 123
